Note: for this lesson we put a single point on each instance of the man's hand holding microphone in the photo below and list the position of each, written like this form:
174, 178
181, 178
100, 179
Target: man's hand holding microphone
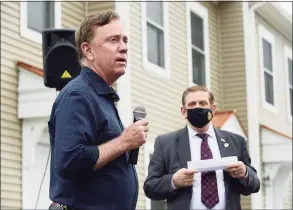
135, 135
130, 139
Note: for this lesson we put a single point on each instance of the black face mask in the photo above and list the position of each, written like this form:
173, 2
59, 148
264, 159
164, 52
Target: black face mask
199, 117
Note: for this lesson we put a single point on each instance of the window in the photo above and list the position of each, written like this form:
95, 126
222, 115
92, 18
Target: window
37, 16
198, 44
152, 204
268, 71
154, 37
288, 73
267, 64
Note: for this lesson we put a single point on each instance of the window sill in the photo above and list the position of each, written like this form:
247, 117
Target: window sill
269, 107
31, 35
163, 73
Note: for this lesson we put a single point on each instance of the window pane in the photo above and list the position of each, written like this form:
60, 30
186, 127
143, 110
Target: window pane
40, 15
198, 67
155, 38
155, 12
269, 88
290, 71
197, 34
291, 103
267, 55
158, 205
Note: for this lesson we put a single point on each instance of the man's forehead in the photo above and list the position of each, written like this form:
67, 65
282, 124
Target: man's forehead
197, 96
113, 28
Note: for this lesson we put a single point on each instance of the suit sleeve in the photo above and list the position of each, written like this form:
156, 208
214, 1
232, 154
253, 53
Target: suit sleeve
252, 183
158, 184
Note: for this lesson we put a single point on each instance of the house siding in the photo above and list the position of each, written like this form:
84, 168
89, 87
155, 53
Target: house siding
15, 48
72, 14
233, 59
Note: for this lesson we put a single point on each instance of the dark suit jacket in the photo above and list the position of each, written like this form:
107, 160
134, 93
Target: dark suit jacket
172, 152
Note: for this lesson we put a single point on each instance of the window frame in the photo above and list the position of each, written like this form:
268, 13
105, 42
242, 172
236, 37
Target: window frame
288, 55
270, 38
31, 34
201, 11
152, 68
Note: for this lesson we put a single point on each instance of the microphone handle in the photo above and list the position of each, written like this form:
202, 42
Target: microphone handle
133, 154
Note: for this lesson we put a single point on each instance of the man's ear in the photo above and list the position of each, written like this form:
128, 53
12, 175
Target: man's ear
214, 108
86, 49
184, 112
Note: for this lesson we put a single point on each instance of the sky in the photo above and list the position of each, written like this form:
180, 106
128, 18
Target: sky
287, 6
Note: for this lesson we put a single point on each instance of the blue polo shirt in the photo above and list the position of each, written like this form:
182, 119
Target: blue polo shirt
84, 116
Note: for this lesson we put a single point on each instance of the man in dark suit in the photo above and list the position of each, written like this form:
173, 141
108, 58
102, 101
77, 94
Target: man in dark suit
168, 177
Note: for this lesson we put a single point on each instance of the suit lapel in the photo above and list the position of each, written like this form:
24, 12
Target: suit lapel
183, 146
225, 146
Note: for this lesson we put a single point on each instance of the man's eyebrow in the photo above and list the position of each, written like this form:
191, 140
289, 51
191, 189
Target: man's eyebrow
197, 101
117, 35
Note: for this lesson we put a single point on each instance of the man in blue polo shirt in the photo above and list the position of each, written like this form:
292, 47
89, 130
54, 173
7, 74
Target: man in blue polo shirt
89, 168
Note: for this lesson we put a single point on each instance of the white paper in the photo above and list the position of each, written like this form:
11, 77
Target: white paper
211, 164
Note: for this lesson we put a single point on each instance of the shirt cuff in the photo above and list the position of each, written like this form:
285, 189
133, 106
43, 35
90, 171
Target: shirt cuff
172, 184
244, 181
92, 154
246, 173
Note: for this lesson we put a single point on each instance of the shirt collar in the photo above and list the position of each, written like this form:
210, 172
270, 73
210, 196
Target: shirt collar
210, 131
101, 87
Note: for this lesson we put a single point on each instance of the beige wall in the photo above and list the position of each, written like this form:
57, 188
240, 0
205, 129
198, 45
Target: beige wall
16, 48
232, 59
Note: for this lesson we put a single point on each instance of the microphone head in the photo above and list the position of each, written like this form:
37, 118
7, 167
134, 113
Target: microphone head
139, 112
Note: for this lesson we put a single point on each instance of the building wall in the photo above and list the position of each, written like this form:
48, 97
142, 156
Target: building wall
16, 48
232, 58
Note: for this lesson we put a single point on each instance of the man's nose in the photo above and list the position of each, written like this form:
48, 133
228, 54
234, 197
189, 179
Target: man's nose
123, 47
197, 105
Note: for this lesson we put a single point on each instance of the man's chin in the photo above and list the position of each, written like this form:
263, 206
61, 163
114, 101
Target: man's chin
120, 71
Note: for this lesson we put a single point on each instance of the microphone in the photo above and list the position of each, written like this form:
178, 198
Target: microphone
138, 113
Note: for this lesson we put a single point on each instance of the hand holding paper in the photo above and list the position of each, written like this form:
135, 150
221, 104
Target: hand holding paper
237, 170
184, 177
212, 164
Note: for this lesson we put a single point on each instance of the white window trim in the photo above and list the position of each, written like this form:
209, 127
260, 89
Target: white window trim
288, 54
198, 9
147, 65
31, 34
269, 37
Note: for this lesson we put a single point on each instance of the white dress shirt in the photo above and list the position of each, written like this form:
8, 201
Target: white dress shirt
195, 145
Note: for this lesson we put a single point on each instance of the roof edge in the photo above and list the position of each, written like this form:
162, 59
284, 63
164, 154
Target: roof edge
275, 131
30, 68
